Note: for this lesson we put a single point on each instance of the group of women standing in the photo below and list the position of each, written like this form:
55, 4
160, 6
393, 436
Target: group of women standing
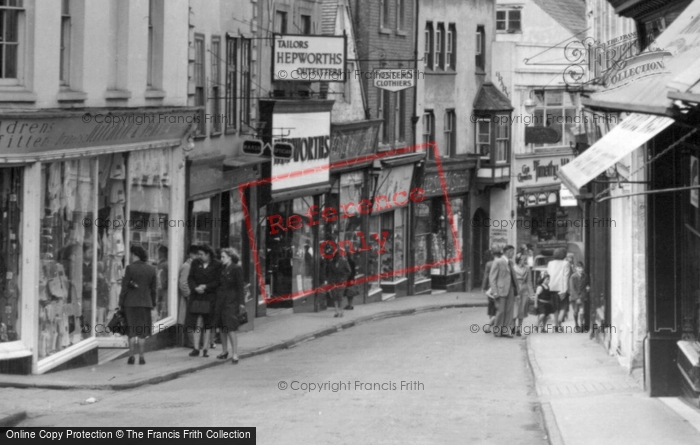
217, 293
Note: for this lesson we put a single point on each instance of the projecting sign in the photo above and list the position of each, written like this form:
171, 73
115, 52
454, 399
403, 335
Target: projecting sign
393, 80
282, 150
304, 58
253, 147
541, 135
566, 198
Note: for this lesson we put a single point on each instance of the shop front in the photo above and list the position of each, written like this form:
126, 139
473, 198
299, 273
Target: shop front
291, 203
441, 230
78, 190
546, 219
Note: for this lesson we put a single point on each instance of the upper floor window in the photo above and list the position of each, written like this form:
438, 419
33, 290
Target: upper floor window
306, 24
493, 138
154, 68
439, 46
429, 131
450, 132
508, 20
483, 138
11, 15
64, 68
231, 82
502, 140
557, 109
428, 48
281, 22
401, 15
245, 81
199, 86
450, 47
480, 48
216, 121
400, 117
384, 13
386, 131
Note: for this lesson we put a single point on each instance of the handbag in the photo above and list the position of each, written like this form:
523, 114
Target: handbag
351, 291
200, 307
117, 325
242, 316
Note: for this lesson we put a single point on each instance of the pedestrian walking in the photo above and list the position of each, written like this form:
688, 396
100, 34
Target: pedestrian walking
337, 272
559, 271
187, 337
523, 278
204, 280
486, 287
350, 290
137, 299
578, 286
229, 298
544, 301
503, 287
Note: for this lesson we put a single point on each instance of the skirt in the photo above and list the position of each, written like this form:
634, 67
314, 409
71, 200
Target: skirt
225, 316
138, 321
545, 308
522, 306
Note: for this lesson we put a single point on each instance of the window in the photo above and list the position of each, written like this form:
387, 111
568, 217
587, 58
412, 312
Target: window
439, 45
502, 140
428, 49
154, 68
450, 48
199, 78
450, 133
401, 15
384, 13
429, 131
245, 82
64, 69
480, 48
483, 138
231, 85
508, 20
216, 120
557, 109
149, 67
281, 22
10, 13
385, 113
306, 24
400, 116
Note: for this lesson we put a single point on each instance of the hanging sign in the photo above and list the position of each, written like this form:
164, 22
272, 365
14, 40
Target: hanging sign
394, 79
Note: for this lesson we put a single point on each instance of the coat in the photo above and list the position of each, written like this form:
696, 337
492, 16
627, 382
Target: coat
229, 296
337, 270
143, 275
501, 278
211, 277
559, 272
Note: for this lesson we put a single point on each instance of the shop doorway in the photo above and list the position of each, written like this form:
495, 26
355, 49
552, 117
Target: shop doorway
480, 245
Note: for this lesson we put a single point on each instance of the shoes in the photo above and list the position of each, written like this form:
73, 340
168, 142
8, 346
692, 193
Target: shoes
212, 346
142, 361
194, 353
518, 334
205, 353
130, 361
223, 356
336, 316
349, 308
234, 361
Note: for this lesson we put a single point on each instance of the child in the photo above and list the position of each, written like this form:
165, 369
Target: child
578, 286
544, 301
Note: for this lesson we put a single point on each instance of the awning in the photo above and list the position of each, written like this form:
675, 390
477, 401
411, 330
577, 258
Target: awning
622, 140
642, 83
241, 160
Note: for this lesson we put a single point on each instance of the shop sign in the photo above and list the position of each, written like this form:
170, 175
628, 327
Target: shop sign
282, 150
393, 181
498, 237
309, 136
394, 79
541, 171
253, 147
45, 133
456, 182
566, 198
541, 135
352, 143
304, 58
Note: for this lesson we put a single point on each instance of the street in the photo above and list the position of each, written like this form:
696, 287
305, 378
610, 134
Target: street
459, 387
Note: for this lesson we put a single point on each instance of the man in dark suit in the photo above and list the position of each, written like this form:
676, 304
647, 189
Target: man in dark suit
503, 288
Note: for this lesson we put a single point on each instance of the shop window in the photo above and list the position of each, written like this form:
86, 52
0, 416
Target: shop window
421, 240
199, 83
11, 19
508, 20
428, 48
216, 121
201, 217
480, 60
557, 109
10, 249
231, 82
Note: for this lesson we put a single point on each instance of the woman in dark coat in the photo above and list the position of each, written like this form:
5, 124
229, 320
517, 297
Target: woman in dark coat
137, 298
229, 299
204, 280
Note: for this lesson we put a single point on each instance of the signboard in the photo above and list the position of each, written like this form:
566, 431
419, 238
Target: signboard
541, 135
393, 79
310, 136
632, 132
538, 198
33, 134
304, 58
566, 198
282, 150
391, 181
253, 147
353, 141
542, 170
498, 237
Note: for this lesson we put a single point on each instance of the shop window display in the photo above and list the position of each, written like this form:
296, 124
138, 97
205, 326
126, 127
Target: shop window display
421, 240
391, 227
10, 238
201, 221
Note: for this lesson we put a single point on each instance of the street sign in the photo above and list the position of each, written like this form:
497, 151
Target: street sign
541, 135
282, 150
393, 79
253, 147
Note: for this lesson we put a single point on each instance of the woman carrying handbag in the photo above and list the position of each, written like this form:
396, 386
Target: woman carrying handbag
229, 299
204, 280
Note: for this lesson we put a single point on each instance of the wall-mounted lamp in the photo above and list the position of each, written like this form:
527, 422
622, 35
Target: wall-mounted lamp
530, 103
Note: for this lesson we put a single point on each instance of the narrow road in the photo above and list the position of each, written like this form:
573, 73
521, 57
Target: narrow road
422, 379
